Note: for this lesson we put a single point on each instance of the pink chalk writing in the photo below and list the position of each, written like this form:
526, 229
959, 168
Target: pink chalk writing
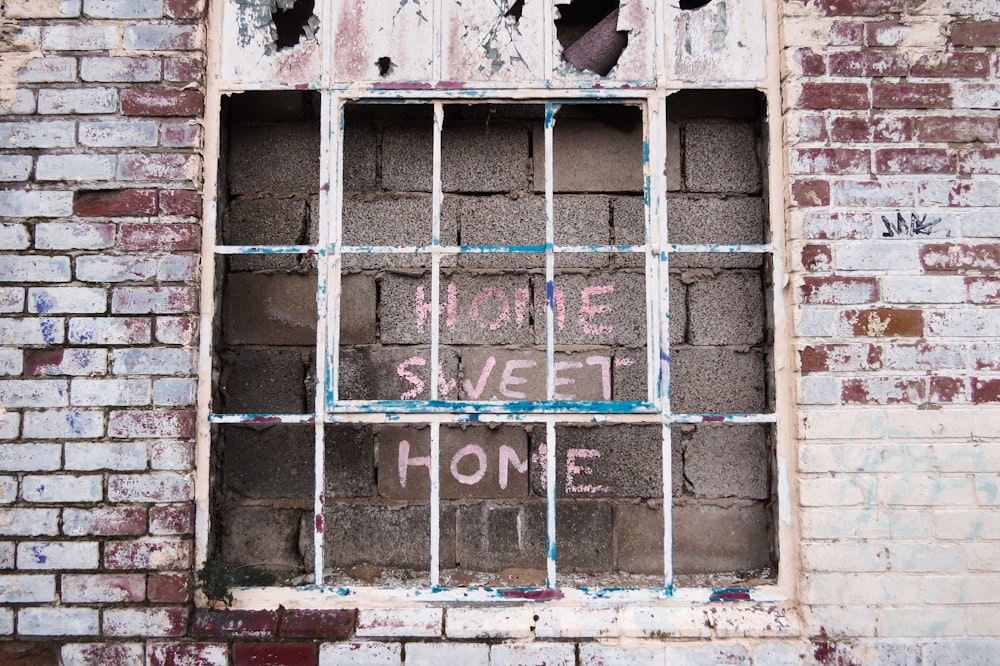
588, 311
449, 308
406, 462
445, 386
508, 459
573, 470
509, 379
475, 477
481, 297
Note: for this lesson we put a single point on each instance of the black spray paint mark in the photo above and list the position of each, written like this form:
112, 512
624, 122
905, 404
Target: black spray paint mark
917, 226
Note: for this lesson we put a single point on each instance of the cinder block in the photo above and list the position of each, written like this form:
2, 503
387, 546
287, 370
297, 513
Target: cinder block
381, 536
271, 309
506, 374
264, 222
628, 226
726, 309
584, 536
408, 157
502, 220
639, 529
494, 537
589, 156
350, 461
357, 309
715, 219
719, 537
604, 461
395, 220
728, 461
395, 373
721, 156
476, 462
628, 373
595, 310
279, 158
274, 462
360, 154
252, 536
582, 220
715, 380
483, 158
263, 381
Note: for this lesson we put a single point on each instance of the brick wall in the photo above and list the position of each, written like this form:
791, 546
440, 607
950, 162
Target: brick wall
890, 139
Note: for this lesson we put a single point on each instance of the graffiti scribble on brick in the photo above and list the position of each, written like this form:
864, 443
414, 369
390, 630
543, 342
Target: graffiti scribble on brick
917, 226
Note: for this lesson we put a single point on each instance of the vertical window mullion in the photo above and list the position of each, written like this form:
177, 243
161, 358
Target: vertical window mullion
550, 428
435, 485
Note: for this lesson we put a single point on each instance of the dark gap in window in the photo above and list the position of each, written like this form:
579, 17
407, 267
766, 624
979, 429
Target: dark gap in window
694, 4
588, 32
292, 23
516, 10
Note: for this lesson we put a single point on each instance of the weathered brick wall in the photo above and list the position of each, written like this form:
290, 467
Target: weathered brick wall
890, 112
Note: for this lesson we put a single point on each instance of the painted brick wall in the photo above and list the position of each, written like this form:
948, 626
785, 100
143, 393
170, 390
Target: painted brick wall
891, 146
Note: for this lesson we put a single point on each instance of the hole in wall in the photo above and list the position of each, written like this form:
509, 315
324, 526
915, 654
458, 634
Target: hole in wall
385, 66
693, 4
588, 32
516, 10
293, 20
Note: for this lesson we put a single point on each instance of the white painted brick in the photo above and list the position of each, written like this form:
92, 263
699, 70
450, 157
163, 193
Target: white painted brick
57, 622
699, 655
6, 554
145, 622
14, 167
23, 103
14, 237
75, 167
987, 489
845, 557
839, 621
677, 621
110, 654
109, 330
922, 289
57, 555
11, 299
819, 390
62, 488
74, 236
152, 361
44, 300
161, 37
925, 490
115, 269
6, 621
29, 522
944, 423
844, 524
34, 393
26, 38
36, 204
123, 9
595, 654
118, 392
391, 623
467, 654
485, 623
30, 457
53, 134
119, 69
981, 225
982, 556
550, 654
179, 456
921, 621
780, 654
118, 134
34, 269
78, 100
47, 70
73, 361
817, 323
8, 489
31, 9
976, 95
150, 487
843, 424
841, 490
910, 523
886, 192
102, 588
10, 425
361, 653
79, 38
965, 322
963, 651
11, 362
27, 588
177, 268
861, 589
925, 558
977, 193
126, 456
146, 300
177, 330
869, 256
192, 654
174, 392
63, 423
969, 525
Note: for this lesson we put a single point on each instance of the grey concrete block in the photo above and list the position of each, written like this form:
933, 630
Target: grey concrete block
349, 461
584, 536
679, 324
728, 461
394, 220
272, 462
721, 536
581, 220
721, 156
269, 309
639, 531
675, 172
682, 261
715, 219
476, 462
358, 309
263, 381
487, 157
715, 380
408, 158
510, 374
605, 461
628, 373
360, 156
590, 156
726, 309
628, 223
395, 373
280, 158
502, 220
381, 536
264, 222
262, 537
606, 309
494, 537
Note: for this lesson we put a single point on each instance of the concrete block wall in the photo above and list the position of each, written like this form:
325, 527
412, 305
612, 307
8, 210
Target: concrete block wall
889, 111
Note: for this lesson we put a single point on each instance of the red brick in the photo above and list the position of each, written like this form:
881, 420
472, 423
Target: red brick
847, 33
980, 161
812, 359
183, 69
111, 521
114, 203
285, 654
883, 33
184, 8
863, 7
955, 129
851, 129
883, 391
975, 33
948, 389
867, 64
169, 587
330, 624
914, 160
957, 65
156, 166
911, 95
886, 323
839, 290
138, 102
831, 161
958, 256
171, 519
850, 96
817, 258
180, 202
985, 390
812, 64
170, 237
180, 135
234, 623
891, 129
187, 654
153, 424
156, 554
840, 358
811, 193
